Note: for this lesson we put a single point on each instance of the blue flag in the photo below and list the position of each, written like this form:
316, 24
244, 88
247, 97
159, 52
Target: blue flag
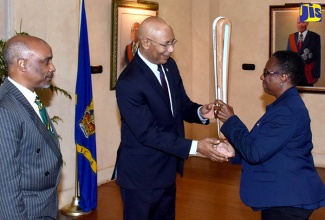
85, 137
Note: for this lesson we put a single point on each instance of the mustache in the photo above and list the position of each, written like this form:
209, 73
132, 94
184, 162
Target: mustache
51, 75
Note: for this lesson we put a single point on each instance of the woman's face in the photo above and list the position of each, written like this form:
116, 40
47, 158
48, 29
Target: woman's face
271, 78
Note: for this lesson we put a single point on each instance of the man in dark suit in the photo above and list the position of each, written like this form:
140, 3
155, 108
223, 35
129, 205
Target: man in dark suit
30, 155
307, 44
153, 105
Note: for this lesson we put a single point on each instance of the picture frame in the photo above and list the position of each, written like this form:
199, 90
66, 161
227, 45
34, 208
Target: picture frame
283, 19
124, 15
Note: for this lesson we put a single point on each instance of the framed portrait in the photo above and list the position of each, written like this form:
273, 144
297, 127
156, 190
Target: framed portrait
127, 16
284, 31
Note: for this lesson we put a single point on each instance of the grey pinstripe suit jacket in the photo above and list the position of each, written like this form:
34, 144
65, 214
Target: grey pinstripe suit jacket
30, 160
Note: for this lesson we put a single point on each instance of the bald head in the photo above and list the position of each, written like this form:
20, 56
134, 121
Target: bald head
152, 26
19, 47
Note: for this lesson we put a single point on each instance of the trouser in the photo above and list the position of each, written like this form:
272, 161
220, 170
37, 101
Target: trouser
286, 213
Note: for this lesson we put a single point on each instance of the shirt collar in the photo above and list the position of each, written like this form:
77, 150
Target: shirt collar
29, 95
303, 34
152, 66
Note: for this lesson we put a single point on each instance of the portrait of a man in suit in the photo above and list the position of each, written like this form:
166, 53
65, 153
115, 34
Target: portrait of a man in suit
308, 44
132, 47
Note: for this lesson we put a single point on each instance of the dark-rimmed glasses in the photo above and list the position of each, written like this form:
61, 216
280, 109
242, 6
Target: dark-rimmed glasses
266, 73
166, 45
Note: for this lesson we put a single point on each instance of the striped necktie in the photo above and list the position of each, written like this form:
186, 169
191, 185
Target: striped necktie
134, 48
43, 114
300, 41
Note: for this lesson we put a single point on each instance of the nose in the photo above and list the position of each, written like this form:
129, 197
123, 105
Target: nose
170, 48
262, 76
52, 67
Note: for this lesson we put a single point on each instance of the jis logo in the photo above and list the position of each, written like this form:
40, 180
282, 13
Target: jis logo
310, 12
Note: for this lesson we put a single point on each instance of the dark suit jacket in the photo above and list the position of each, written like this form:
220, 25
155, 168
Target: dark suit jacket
277, 164
153, 146
312, 55
30, 160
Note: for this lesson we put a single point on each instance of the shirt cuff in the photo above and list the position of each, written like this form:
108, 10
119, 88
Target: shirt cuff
193, 150
203, 120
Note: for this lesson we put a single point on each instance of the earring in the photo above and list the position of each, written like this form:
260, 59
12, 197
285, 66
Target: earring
281, 84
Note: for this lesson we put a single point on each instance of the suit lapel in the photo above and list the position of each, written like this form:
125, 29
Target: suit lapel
152, 79
52, 141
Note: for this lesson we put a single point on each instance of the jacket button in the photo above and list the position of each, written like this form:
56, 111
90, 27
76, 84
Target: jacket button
38, 150
47, 173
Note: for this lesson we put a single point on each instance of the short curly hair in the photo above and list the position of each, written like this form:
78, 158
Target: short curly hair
291, 63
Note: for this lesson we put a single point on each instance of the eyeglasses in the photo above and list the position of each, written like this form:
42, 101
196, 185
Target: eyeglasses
166, 45
266, 73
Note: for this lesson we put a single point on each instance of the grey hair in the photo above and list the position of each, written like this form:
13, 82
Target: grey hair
15, 51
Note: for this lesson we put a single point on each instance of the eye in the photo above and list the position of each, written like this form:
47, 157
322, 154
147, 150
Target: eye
47, 61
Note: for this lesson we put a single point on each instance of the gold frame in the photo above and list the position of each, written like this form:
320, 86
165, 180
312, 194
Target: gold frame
282, 23
128, 10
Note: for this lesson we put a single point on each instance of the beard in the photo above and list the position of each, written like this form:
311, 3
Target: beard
46, 86
47, 81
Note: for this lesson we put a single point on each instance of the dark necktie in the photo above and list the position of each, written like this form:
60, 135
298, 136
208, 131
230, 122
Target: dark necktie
300, 41
164, 84
43, 114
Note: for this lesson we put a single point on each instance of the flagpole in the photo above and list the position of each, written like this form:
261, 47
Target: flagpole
73, 209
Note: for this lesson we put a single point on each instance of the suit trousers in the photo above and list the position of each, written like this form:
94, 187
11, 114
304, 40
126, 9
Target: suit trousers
286, 213
152, 204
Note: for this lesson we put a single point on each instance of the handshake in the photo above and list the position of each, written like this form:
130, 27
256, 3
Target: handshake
216, 150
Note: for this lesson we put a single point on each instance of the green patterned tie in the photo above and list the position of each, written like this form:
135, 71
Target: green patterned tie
43, 114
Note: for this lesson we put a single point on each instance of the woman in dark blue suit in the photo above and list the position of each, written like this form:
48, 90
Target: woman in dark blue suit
278, 176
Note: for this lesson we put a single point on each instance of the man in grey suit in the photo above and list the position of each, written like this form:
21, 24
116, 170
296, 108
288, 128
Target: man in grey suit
30, 154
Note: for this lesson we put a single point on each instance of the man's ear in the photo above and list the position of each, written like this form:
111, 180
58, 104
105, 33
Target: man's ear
145, 43
22, 64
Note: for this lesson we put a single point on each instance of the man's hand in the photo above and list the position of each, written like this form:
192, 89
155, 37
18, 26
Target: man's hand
225, 148
208, 146
207, 111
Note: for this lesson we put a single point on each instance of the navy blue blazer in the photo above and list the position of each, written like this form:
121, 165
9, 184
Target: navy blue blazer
277, 164
153, 147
